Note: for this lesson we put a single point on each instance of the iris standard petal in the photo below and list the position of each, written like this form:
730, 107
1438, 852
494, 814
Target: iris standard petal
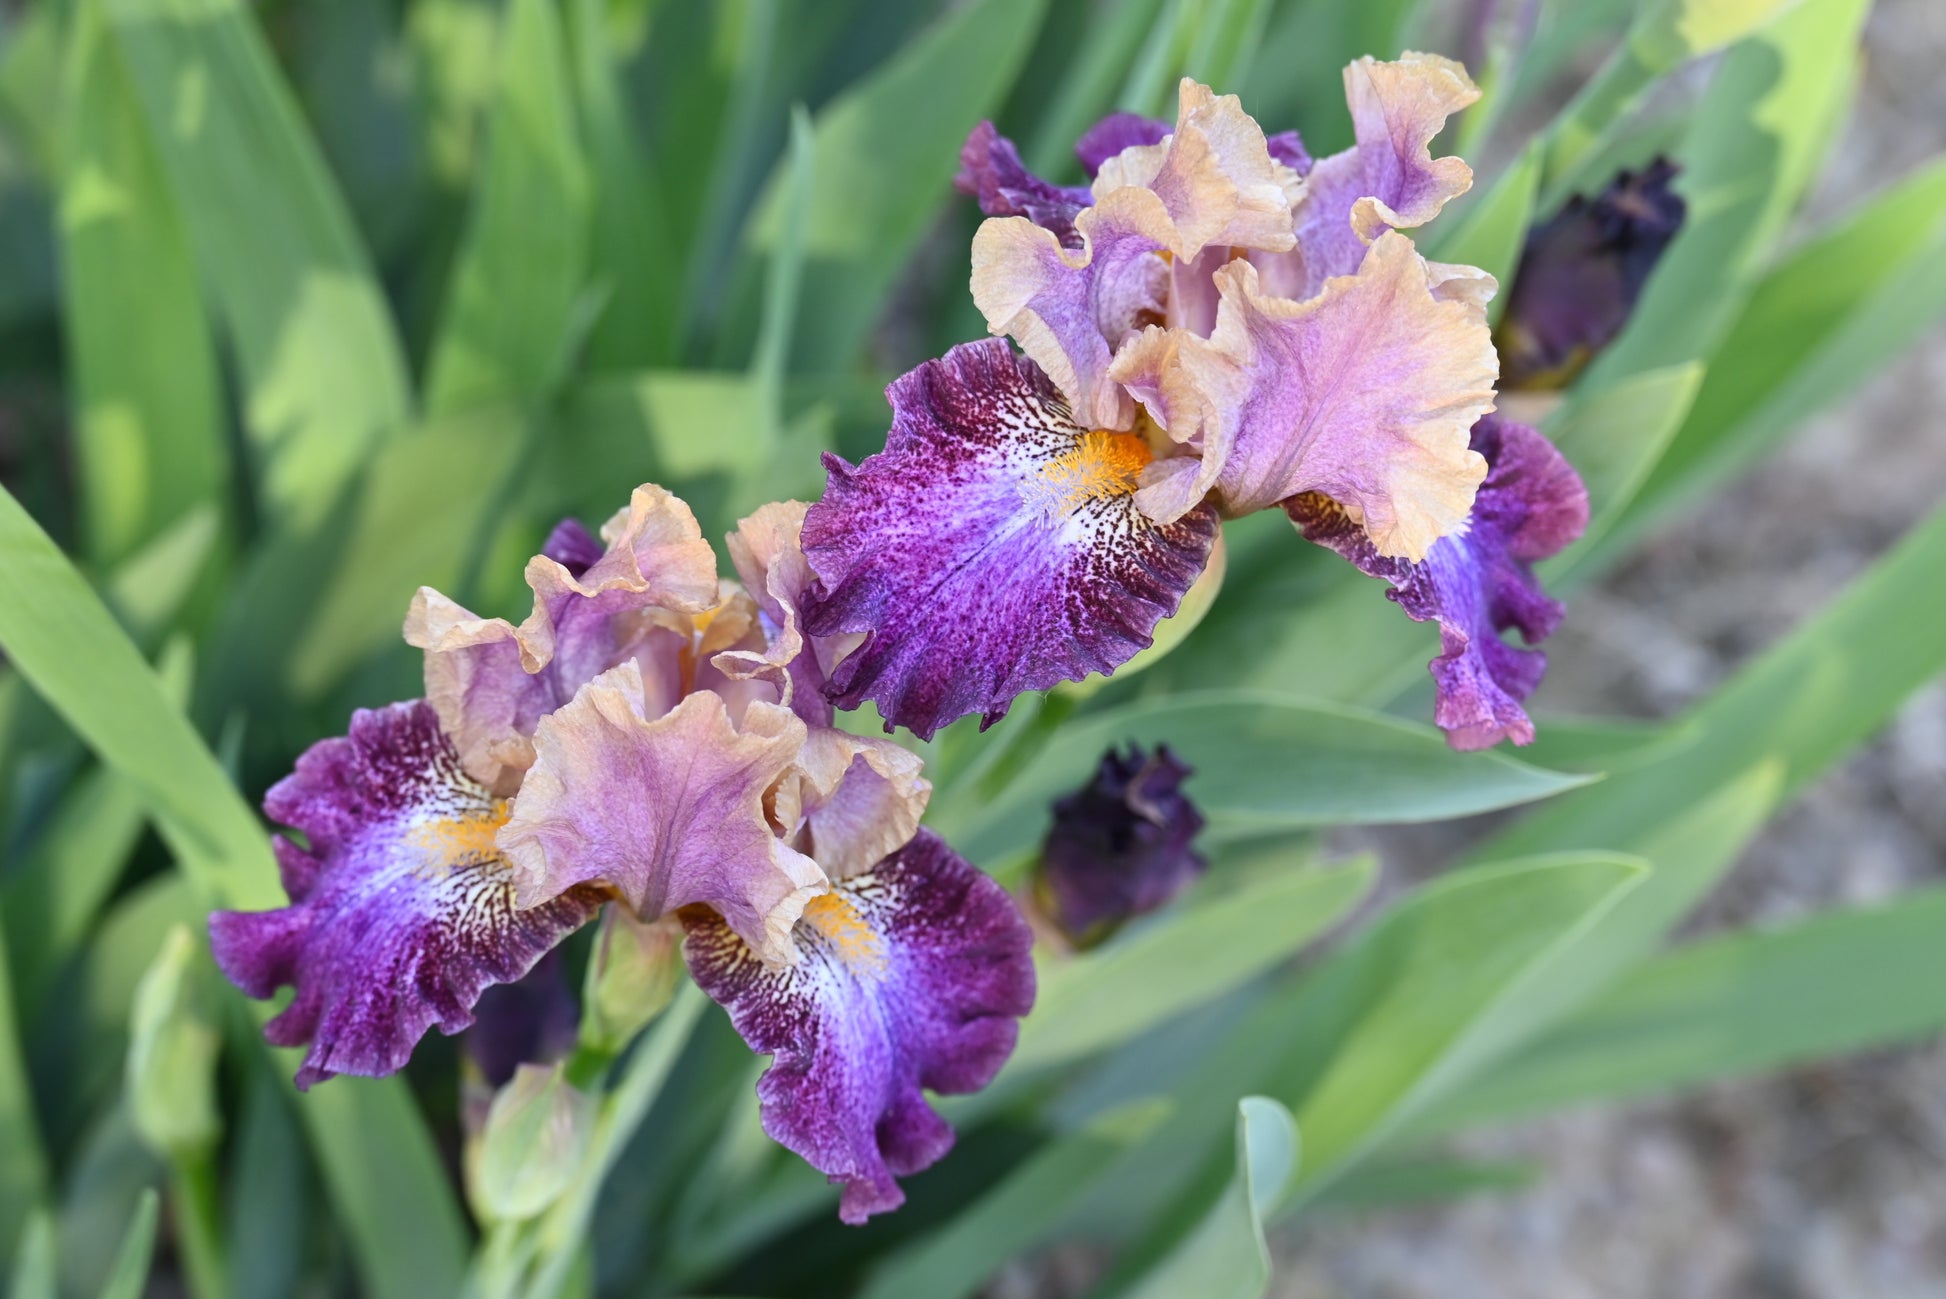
402, 909
850, 800
992, 548
768, 552
1387, 180
665, 810
491, 682
1365, 393
1479, 583
914, 976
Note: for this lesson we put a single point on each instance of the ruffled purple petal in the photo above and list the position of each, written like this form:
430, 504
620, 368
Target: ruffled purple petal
1581, 273
402, 911
992, 548
913, 976
1114, 133
1120, 846
991, 171
1479, 583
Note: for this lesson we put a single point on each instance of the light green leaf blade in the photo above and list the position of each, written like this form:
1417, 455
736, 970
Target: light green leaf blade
1753, 147
48, 902
60, 636
511, 306
23, 1173
32, 1274
1021, 1212
323, 374
1833, 311
131, 1273
884, 153
1488, 228
1263, 763
1411, 1007
1101, 998
371, 1142
149, 431
1615, 436
1225, 1255
630, 255
1745, 1002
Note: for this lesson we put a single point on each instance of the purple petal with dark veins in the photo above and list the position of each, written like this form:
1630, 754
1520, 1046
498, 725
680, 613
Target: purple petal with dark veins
402, 912
991, 171
913, 975
1479, 583
992, 548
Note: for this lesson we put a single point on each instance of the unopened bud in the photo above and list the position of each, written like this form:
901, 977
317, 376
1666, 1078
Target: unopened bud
172, 1053
535, 1138
631, 977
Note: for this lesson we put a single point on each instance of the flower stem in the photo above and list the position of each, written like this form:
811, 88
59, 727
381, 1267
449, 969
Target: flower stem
199, 1233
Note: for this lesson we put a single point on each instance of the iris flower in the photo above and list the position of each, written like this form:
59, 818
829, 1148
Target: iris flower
652, 739
1216, 325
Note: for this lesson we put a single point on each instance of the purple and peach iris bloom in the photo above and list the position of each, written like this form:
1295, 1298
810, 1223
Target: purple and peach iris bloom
1215, 325
651, 739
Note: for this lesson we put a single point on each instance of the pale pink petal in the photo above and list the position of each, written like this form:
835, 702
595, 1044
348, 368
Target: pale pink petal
1365, 393
491, 681
850, 800
666, 811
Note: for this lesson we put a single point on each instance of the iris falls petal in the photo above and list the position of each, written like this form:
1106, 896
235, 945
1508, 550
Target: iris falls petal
402, 909
992, 548
1479, 583
913, 976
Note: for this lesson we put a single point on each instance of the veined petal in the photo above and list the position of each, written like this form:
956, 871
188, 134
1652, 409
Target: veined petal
914, 976
491, 682
1215, 177
990, 170
992, 548
850, 800
1365, 393
402, 910
1387, 180
664, 810
1479, 583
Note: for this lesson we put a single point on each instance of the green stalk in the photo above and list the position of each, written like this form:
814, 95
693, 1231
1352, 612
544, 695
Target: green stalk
199, 1232
563, 1232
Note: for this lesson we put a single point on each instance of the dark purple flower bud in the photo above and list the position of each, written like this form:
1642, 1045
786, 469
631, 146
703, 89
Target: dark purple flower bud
1581, 274
991, 171
530, 1021
1119, 846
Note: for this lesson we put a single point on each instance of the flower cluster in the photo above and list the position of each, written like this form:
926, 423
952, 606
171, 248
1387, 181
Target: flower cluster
1216, 325
653, 739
